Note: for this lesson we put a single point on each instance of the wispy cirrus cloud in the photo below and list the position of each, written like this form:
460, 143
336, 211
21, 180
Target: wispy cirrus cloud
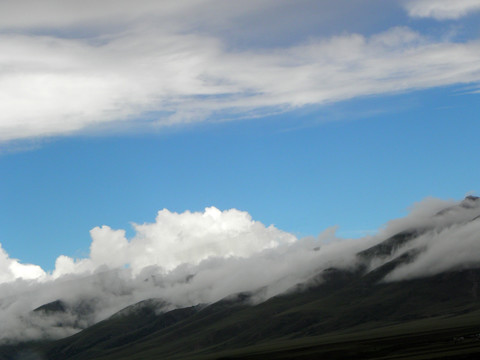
51, 86
66, 68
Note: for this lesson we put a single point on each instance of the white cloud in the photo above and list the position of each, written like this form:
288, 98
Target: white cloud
442, 9
421, 215
12, 269
148, 65
449, 238
455, 247
175, 239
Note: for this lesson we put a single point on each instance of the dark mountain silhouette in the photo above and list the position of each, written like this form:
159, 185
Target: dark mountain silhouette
57, 306
338, 314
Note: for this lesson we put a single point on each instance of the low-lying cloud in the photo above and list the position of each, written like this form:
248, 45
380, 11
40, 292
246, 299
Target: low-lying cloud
183, 259
190, 258
451, 241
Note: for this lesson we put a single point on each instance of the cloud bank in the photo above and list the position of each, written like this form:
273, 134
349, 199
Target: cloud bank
183, 259
190, 258
80, 66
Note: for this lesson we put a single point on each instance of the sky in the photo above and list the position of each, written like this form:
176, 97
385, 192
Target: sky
296, 117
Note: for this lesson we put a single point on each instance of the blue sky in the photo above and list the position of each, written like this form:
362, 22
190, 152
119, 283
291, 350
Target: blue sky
304, 114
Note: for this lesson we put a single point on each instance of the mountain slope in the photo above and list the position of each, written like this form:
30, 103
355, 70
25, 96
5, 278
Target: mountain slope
346, 300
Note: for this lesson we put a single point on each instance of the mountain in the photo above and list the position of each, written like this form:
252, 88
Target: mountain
339, 313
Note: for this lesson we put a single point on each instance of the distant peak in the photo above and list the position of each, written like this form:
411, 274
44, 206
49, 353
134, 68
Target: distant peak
470, 201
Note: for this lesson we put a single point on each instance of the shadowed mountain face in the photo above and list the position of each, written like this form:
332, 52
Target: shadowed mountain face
57, 306
389, 246
353, 301
334, 304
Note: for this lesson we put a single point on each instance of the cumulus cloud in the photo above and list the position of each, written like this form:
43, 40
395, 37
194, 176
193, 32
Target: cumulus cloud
175, 239
150, 66
442, 9
12, 269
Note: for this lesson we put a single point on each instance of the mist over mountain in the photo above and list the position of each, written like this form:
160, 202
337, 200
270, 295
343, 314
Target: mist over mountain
192, 260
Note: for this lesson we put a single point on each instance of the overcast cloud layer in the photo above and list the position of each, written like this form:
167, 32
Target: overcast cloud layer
185, 259
73, 66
